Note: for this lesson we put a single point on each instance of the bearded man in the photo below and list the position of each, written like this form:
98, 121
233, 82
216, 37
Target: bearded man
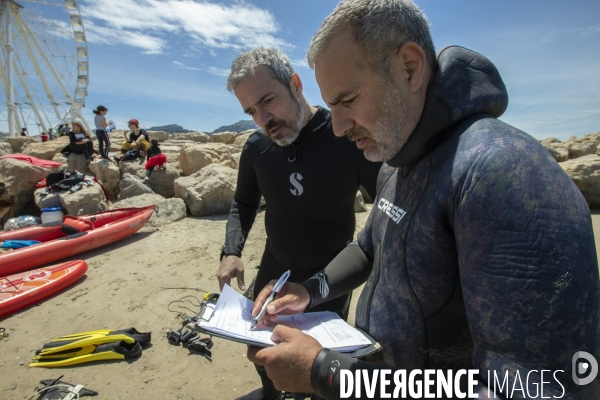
479, 253
308, 177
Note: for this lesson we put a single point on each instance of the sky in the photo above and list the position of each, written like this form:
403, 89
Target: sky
166, 62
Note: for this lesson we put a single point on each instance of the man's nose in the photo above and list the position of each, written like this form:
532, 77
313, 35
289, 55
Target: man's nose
341, 123
262, 118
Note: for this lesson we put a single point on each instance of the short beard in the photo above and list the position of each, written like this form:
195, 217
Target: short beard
392, 128
294, 127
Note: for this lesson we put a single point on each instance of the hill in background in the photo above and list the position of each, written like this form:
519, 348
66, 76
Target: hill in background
173, 128
239, 126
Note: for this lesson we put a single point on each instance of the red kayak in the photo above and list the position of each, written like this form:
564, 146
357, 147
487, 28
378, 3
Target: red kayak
73, 236
26, 288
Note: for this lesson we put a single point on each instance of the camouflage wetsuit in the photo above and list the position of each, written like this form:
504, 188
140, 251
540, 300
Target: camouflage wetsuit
479, 250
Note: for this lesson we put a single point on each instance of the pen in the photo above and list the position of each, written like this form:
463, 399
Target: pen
269, 299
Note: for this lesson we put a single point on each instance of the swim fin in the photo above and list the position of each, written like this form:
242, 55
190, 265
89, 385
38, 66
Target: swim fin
110, 351
91, 346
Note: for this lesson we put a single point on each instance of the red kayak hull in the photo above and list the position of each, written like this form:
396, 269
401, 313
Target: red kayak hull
108, 227
26, 288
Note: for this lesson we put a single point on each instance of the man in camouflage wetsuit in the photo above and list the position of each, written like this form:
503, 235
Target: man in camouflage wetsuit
479, 251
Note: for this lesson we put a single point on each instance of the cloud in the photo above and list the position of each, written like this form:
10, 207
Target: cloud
183, 66
218, 71
300, 63
145, 24
589, 31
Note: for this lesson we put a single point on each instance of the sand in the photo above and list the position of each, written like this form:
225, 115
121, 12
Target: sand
125, 287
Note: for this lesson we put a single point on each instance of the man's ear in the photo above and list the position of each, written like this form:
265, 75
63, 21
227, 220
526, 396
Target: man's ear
296, 84
410, 66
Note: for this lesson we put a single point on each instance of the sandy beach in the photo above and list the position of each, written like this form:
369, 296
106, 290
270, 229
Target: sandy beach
130, 284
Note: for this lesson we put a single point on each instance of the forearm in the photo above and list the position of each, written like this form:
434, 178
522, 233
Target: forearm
241, 219
346, 272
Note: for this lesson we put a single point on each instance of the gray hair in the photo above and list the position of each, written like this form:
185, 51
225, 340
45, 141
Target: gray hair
247, 62
379, 28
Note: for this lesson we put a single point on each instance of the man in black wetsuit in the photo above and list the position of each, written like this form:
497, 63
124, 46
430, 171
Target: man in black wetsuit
479, 251
308, 177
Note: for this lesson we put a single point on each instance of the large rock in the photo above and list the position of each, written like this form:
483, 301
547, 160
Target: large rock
5, 148
223, 137
193, 158
209, 191
197, 137
585, 172
359, 203
134, 167
46, 150
177, 143
60, 158
162, 181
87, 200
241, 139
108, 174
560, 154
172, 153
161, 136
132, 186
77, 162
169, 210
18, 143
20, 177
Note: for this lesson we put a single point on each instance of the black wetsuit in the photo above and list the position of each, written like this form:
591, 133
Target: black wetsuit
310, 188
87, 149
479, 251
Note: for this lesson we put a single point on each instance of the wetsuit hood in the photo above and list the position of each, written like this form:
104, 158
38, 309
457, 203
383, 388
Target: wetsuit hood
465, 83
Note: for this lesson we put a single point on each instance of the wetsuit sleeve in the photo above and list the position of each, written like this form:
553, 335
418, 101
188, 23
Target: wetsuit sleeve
72, 138
244, 206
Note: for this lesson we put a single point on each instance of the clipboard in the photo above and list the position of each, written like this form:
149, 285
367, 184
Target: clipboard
207, 312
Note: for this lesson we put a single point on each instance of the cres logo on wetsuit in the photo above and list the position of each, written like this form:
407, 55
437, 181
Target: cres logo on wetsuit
295, 179
391, 210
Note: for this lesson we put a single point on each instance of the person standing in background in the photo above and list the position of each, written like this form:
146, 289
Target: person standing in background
101, 133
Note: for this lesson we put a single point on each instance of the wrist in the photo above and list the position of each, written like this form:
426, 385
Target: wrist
315, 372
227, 252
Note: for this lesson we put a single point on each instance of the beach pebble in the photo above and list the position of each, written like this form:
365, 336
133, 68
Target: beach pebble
21, 363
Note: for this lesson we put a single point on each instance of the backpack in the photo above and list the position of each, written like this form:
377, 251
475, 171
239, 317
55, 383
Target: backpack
55, 177
130, 155
71, 179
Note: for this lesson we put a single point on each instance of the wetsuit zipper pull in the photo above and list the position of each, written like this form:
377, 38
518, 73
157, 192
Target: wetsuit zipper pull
292, 158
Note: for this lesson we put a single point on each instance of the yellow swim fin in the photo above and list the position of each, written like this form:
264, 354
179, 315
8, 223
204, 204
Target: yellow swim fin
110, 351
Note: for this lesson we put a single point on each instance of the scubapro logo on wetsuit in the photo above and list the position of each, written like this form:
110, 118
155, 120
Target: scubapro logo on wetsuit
392, 211
295, 179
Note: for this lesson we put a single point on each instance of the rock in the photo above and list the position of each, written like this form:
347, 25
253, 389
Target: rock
116, 135
359, 203
169, 210
223, 137
177, 143
77, 162
18, 143
134, 167
108, 174
5, 148
61, 159
132, 186
208, 191
162, 180
241, 139
192, 158
580, 149
46, 150
172, 153
197, 137
236, 157
87, 200
20, 177
365, 195
585, 172
560, 154
246, 132
161, 136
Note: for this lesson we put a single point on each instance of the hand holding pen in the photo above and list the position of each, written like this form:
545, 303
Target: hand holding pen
290, 299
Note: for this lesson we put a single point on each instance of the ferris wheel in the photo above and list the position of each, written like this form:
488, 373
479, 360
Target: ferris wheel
43, 65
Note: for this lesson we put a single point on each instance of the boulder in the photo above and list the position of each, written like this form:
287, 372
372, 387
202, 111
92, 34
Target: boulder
77, 162
87, 200
132, 186
236, 157
178, 143
560, 154
223, 137
162, 180
116, 135
208, 191
5, 148
197, 137
192, 158
18, 143
580, 148
108, 174
241, 139
60, 158
161, 136
46, 150
246, 132
169, 210
20, 177
172, 153
359, 203
585, 172
134, 167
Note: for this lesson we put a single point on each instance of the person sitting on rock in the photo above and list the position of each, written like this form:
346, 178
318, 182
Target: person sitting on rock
155, 159
80, 142
137, 139
8, 202
24, 132
44, 137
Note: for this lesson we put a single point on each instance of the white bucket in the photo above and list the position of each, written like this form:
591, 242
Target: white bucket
52, 215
